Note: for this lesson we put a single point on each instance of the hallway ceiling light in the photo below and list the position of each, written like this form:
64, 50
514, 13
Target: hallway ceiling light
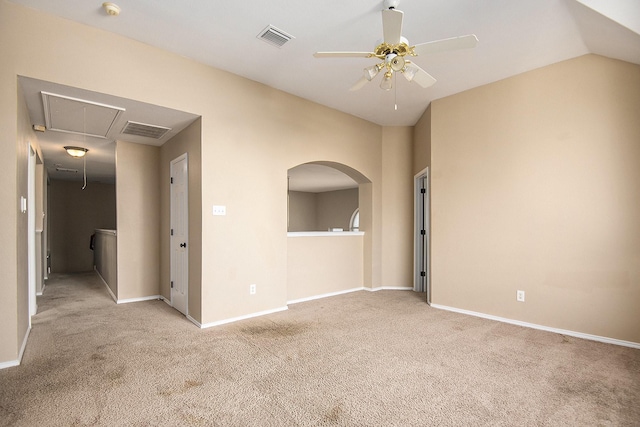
76, 151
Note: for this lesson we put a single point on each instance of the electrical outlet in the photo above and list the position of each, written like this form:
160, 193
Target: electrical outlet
520, 296
252, 289
219, 210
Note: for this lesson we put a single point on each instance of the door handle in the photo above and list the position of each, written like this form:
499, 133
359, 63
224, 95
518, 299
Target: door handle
183, 245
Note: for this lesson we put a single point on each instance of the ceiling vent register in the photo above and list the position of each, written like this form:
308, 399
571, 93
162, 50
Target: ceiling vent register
274, 36
145, 130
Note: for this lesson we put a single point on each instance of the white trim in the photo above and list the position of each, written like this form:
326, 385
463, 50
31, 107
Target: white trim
166, 300
236, 319
541, 327
106, 285
139, 299
389, 288
330, 294
194, 321
276, 310
12, 363
9, 364
324, 233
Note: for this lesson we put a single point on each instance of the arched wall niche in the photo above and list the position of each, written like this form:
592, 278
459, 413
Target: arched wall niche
322, 263
323, 196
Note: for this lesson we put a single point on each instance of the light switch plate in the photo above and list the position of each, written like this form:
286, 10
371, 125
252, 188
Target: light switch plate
219, 210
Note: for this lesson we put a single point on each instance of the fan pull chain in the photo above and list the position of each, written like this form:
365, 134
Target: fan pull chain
84, 138
395, 91
84, 173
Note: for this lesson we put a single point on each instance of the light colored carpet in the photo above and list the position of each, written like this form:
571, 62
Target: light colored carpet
361, 359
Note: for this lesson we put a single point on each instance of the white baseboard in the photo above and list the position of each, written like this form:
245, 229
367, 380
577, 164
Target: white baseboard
105, 284
263, 313
126, 300
389, 288
12, 363
9, 364
330, 294
236, 319
541, 327
139, 299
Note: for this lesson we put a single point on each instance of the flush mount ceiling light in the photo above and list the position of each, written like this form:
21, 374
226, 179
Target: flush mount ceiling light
111, 8
76, 151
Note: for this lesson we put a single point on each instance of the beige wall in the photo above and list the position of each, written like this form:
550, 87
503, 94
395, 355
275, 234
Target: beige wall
318, 265
335, 208
188, 141
536, 187
397, 207
138, 219
422, 142
303, 211
75, 215
320, 211
106, 258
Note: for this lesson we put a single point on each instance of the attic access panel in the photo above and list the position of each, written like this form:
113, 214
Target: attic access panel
79, 116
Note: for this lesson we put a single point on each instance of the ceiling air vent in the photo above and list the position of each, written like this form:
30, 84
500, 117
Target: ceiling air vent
142, 129
274, 36
61, 169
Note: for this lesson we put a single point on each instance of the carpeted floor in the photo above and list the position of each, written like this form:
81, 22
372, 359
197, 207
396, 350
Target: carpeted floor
360, 359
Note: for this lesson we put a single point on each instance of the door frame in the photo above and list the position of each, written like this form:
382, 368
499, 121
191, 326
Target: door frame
422, 219
31, 231
171, 237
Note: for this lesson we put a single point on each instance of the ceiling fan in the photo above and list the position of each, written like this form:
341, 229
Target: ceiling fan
394, 49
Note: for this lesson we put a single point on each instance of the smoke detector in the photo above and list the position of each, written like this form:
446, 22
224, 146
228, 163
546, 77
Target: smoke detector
112, 9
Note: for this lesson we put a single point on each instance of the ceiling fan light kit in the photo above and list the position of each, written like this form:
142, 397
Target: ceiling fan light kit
394, 49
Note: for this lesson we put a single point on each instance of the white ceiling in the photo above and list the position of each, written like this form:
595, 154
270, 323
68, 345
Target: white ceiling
514, 37
315, 178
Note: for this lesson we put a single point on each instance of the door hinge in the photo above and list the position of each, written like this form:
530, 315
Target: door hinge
423, 190
172, 231
172, 180
422, 274
172, 284
423, 232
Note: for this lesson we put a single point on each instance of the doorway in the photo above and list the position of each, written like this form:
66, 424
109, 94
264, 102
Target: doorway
422, 281
179, 171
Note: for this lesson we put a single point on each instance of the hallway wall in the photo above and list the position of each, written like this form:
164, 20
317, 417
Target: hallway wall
75, 214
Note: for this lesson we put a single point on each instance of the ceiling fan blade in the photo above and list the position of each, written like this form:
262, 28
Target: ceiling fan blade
392, 26
343, 54
413, 73
444, 45
358, 85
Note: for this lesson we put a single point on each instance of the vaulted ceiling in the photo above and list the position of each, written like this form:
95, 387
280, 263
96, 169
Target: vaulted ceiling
514, 37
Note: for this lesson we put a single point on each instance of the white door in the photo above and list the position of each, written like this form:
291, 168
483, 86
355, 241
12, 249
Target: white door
179, 171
